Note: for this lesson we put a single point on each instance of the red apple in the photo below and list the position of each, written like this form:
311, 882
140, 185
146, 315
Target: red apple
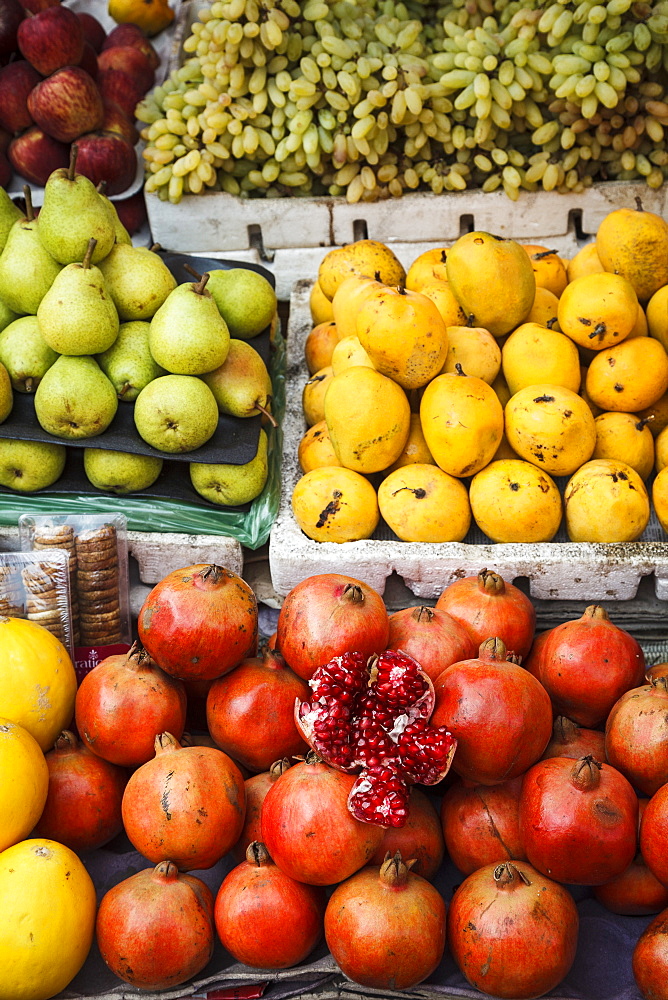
115, 85
116, 120
5, 171
93, 31
35, 155
11, 15
5, 139
129, 60
66, 104
106, 156
132, 211
89, 60
131, 34
51, 39
16, 82
34, 6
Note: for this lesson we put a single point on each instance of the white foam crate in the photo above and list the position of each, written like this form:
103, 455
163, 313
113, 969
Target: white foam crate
559, 570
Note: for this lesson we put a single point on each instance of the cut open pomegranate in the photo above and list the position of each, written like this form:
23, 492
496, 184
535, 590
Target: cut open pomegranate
372, 717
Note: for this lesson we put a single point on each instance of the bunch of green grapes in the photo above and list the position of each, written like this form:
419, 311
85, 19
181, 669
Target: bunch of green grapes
369, 99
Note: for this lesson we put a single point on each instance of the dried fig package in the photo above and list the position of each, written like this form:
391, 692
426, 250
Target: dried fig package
96, 547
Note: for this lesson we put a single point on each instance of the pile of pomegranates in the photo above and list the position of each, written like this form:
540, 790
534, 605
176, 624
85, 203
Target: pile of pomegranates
342, 762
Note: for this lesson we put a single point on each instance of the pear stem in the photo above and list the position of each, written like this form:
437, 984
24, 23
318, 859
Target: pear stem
90, 249
270, 417
191, 270
154, 247
27, 194
102, 187
201, 284
74, 152
123, 389
29, 384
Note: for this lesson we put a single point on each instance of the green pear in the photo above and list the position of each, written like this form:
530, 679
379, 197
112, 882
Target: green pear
245, 299
128, 363
188, 335
75, 399
232, 484
9, 214
7, 315
6, 394
71, 213
27, 269
241, 386
77, 315
120, 472
30, 465
176, 413
25, 354
120, 232
138, 281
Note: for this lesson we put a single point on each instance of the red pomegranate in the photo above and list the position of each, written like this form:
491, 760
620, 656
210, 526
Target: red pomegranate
373, 718
498, 712
587, 664
578, 820
83, 804
533, 661
186, 805
124, 703
654, 835
656, 670
571, 740
199, 622
636, 735
430, 636
420, 839
486, 605
650, 959
256, 788
263, 917
327, 615
634, 893
385, 927
250, 712
481, 824
307, 826
155, 929
512, 932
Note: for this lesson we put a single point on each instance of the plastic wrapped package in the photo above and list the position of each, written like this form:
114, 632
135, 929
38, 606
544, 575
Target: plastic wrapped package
37, 585
96, 550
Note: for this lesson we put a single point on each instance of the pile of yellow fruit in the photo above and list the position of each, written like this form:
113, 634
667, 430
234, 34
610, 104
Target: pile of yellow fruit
461, 389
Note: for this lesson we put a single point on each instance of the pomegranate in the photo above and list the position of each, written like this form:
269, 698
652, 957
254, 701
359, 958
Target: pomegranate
512, 932
571, 740
255, 789
654, 835
656, 670
307, 826
155, 929
533, 661
385, 927
430, 636
498, 712
634, 893
419, 839
374, 719
124, 703
327, 615
636, 735
186, 805
578, 820
587, 664
481, 824
250, 712
486, 605
199, 622
263, 917
83, 804
650, 959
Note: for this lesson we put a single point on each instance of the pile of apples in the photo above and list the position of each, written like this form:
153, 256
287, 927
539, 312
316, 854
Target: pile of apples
64, 79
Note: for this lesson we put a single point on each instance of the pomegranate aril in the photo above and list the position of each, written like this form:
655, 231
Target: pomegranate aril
426, 752
380, 796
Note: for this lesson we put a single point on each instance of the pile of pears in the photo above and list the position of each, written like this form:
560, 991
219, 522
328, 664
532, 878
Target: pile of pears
89, 322
464, 389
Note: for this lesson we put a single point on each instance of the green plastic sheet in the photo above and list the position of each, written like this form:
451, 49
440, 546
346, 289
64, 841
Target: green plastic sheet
251, 528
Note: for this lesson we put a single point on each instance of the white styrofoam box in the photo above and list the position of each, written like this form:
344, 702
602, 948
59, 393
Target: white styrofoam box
556, 570
159, 553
